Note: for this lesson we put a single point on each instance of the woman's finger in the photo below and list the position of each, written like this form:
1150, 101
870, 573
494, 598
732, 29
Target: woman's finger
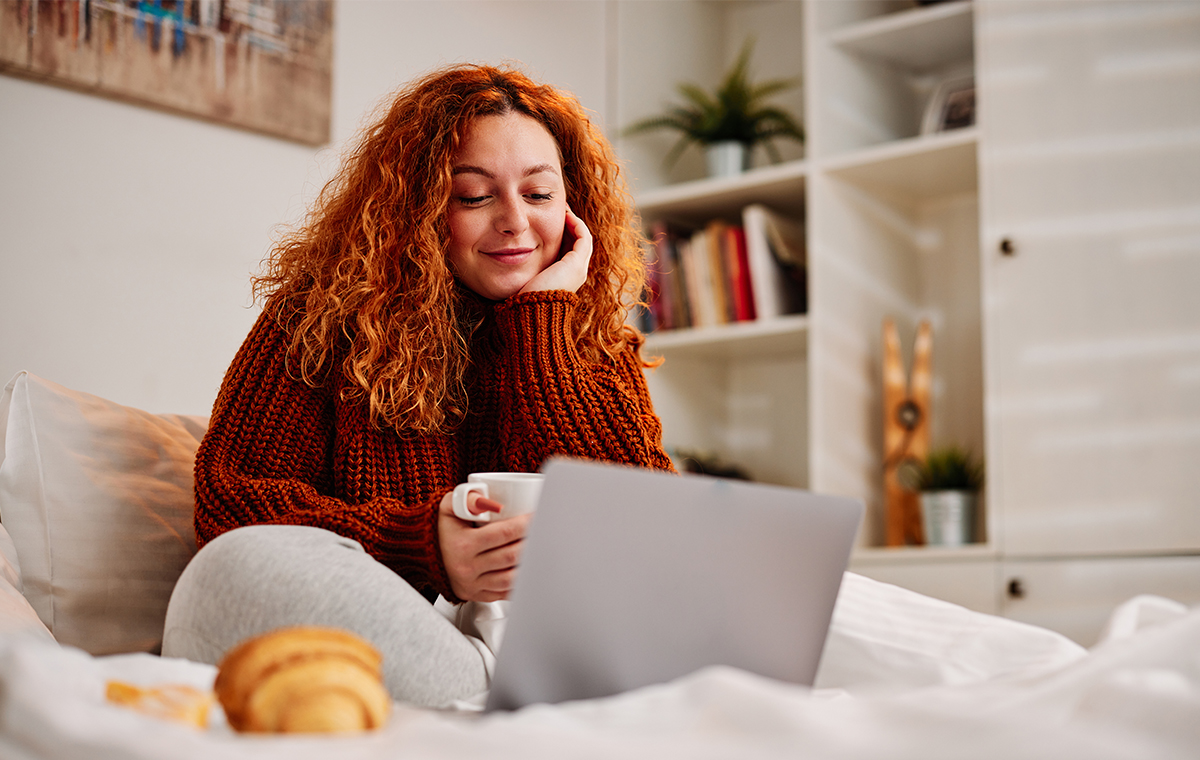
583, 236
477, 504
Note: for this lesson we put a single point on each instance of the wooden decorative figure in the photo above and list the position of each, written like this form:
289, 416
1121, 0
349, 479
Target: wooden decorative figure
905, 430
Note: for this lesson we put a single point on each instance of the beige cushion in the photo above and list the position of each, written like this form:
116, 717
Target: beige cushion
97, 498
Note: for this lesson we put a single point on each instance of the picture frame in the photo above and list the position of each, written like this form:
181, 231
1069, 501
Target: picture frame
951, 106
259, 65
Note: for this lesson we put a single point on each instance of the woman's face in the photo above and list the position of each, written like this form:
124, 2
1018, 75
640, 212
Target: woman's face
508, 205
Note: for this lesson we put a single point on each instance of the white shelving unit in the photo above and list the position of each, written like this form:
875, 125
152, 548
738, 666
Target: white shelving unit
893, 233
752, 393
914, 171
780, 186
785, 335
1071, 365
913, 39
735, 391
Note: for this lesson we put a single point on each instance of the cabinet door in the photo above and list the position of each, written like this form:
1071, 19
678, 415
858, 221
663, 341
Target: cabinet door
1076, 597
1090, 232
970, 583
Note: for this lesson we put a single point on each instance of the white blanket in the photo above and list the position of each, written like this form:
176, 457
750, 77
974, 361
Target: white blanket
903, 677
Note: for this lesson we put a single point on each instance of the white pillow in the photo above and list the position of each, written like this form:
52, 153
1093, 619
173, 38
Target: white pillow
98, 500
884, 638
16, 616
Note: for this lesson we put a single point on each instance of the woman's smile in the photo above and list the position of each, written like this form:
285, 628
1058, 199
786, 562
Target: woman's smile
509, 254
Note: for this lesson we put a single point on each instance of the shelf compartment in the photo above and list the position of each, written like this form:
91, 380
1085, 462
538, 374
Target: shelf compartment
780, 186
867, 556
781, 336
913, 171
919, 40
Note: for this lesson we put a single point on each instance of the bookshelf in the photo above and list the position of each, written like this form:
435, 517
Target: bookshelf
891, 216
1065, 364
718, 388
893, 233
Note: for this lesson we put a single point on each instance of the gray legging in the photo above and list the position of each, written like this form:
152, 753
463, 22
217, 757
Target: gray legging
254, 579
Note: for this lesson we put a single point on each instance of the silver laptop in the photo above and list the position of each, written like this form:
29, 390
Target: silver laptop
630, 577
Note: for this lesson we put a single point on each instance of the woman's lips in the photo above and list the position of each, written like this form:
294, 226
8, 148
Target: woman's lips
510, 254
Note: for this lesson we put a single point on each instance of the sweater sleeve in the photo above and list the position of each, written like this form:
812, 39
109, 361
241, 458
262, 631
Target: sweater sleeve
558, 403
270, 456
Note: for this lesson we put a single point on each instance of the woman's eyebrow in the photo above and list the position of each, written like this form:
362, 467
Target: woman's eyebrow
472, 169
540, 168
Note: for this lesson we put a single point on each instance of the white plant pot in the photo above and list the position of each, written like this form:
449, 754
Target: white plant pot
949, 517
727, 159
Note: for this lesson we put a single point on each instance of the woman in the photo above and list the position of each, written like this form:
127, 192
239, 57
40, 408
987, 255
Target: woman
442, 311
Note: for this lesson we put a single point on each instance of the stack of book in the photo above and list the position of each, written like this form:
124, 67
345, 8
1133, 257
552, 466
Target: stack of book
725, 272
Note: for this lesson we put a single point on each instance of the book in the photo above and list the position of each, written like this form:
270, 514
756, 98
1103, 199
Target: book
739, 298
647, 317
697, 269
775, 253
718, 270
681, 309
666, 290
658, 284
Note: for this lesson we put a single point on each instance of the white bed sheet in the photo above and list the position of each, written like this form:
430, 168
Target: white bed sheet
929, 689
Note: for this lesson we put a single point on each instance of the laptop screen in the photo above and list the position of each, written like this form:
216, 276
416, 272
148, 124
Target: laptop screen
630, 577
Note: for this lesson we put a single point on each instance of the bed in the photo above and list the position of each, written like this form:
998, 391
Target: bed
95, 525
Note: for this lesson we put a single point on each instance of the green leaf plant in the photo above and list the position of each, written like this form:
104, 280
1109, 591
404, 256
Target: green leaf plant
736, 111
948, 469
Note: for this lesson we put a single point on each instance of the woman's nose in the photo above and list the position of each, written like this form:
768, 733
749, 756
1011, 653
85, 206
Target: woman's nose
511, 218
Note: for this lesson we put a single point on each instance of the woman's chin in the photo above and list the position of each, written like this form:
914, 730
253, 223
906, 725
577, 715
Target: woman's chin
499, 291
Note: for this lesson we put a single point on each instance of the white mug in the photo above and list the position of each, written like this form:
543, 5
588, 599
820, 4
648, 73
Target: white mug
517, 491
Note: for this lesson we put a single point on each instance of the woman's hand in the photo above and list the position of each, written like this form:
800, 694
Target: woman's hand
571, 269
481, 560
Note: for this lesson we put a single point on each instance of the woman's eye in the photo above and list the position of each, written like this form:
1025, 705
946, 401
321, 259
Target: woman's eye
473, 200
540, 196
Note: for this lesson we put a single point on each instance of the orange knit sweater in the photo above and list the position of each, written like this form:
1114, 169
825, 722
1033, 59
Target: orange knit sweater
279, 451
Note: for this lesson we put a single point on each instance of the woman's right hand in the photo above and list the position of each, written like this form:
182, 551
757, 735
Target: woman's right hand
481, 559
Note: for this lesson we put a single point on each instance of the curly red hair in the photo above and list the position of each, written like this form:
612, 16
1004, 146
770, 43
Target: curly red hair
366, 275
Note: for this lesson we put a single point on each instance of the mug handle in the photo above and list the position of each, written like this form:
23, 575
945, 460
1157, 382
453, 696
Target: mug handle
460, 501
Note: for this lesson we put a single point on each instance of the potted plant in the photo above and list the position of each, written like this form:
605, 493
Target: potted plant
949, 481
728, 123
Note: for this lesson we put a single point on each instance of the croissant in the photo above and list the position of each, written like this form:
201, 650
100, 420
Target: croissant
303, 679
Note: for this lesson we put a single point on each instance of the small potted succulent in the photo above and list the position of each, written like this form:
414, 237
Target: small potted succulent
949, 481
729, 122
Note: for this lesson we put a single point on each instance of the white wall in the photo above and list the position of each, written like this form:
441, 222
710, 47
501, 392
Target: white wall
128, 236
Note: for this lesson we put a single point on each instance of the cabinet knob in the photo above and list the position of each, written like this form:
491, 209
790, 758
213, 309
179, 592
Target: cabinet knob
1016, 588
1008, 247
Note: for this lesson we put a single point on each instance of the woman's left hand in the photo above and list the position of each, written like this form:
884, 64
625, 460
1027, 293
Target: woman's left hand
571, 269
480, 560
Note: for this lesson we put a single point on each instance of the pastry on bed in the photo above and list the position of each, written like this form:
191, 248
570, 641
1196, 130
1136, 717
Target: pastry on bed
303, 679
178, 702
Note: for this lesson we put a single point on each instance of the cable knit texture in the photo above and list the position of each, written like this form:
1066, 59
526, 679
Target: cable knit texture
281, 452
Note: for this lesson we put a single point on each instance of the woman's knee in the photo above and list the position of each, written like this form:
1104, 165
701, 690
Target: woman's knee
242, 582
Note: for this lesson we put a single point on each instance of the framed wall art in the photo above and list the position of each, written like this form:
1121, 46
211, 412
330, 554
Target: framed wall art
262, 65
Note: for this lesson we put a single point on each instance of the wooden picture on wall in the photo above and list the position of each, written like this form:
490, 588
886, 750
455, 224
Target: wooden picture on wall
263, 65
